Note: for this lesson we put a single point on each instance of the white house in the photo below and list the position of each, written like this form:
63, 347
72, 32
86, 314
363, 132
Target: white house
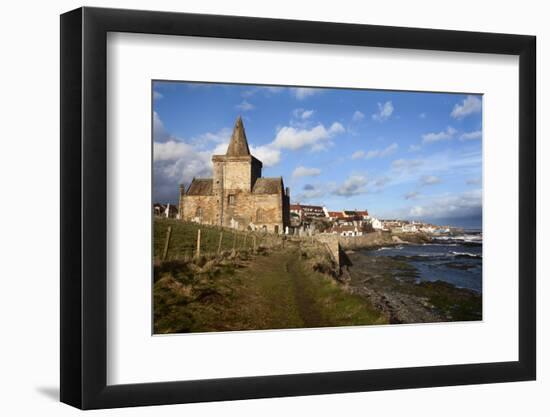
375, 223
345, 230
410, 228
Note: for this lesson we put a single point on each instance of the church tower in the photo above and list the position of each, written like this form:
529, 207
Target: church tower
235, 173
237, 195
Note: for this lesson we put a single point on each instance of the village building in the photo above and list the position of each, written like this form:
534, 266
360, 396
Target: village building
335, 215
409, 228
346, 230
165, 210
237, 195
303, 210
428, 228
375, 223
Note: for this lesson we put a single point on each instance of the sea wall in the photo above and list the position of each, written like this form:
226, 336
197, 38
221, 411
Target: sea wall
332, 245
379, 238
368, 240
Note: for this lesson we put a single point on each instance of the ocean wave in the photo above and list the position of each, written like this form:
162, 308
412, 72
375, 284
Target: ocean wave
389, 248
465, 255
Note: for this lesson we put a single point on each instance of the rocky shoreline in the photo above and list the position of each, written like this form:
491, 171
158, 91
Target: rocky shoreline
391, 285
381, 239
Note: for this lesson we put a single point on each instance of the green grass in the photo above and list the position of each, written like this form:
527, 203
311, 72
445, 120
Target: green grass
183, 239
274, 291
456, 303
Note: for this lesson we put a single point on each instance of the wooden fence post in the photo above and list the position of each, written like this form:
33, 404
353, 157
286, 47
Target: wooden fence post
198, 252
167, 242
220, 242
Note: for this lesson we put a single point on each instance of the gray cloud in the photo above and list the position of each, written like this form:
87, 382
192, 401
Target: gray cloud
411, 196
464, 205
352, 186
430, 180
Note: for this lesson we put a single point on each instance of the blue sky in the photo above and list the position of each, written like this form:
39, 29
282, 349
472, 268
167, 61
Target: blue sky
399, 154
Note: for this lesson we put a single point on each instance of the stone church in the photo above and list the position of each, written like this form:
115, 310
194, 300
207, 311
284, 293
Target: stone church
237, 196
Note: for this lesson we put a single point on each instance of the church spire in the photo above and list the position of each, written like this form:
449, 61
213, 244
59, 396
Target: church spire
238, 146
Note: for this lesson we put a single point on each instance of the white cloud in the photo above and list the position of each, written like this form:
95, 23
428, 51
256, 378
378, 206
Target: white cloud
471, 135
473, 181
294, 138
439, 136
406, 164
221, 148
380, 182
412, 195
384, 111
221, 136
245, 106
353, 185
172, 150
377, 153
159, 132
415, 148
357, 116
177, 163
381, 153
261, 89
303, 114
302, 93
470, 105
302, 171
430, 180
157, 95
267, 154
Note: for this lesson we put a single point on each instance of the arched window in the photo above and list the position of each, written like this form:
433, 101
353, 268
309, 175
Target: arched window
198, 212
259, 215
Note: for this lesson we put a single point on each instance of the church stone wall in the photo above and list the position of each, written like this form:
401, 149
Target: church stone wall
254, 211
228, 200
190, 204
237, 175
268, 212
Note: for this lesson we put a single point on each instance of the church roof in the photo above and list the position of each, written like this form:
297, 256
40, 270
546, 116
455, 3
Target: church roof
200, 186
268, 186
238, 146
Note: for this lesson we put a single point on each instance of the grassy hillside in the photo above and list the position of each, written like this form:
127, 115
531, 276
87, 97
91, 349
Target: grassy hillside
276, 290
183, 239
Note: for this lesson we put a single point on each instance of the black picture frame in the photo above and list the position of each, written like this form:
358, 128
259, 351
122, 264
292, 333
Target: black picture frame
84, 207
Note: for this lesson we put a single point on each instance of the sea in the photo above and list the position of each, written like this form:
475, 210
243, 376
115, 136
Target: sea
454, 259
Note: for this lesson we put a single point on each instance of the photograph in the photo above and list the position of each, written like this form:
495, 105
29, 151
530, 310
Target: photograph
284, 207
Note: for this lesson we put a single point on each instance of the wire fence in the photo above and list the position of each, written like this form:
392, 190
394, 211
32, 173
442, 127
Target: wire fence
176, 240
